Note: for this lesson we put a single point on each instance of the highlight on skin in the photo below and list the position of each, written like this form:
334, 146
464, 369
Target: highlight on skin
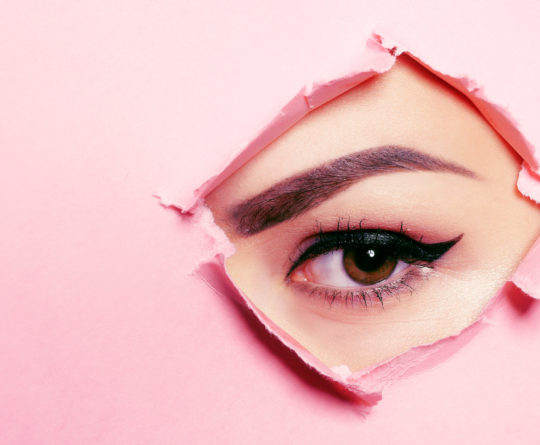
386, 219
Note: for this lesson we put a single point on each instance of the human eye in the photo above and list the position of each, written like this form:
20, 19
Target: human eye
363, 266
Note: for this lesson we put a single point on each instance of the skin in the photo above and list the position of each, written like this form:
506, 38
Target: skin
409, 107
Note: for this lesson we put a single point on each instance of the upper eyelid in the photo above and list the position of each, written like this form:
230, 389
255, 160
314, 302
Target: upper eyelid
301, 256
341, 236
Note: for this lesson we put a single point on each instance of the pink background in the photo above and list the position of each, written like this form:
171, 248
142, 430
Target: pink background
105, 338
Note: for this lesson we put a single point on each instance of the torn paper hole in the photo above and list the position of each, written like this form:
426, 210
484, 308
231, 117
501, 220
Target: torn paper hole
380, 55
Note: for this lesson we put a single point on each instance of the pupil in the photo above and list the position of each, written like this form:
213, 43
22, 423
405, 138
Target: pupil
369, 259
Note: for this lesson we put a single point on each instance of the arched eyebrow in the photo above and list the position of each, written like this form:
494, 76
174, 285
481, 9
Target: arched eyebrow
299, 193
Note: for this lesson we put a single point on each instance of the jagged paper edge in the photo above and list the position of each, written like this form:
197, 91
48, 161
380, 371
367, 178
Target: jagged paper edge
379, 56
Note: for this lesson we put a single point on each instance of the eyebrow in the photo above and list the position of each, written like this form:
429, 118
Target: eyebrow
299, 193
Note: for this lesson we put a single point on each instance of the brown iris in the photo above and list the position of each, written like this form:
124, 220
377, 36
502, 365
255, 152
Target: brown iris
368, 264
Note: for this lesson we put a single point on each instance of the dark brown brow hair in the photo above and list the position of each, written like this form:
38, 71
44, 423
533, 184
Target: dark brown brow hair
299, 193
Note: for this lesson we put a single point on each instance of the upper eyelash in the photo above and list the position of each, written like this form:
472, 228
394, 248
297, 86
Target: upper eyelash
402, 246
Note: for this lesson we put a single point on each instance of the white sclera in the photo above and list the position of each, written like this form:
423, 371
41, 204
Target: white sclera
328, 269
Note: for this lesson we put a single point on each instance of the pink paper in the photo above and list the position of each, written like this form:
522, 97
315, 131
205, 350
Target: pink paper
379, 55
107, 335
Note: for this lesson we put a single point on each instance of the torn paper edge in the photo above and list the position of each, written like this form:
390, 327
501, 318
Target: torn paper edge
379, 56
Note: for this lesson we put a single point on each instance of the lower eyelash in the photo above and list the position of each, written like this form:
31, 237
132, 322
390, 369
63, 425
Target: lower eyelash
366, 297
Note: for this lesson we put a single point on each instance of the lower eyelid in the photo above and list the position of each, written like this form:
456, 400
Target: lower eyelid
364, 298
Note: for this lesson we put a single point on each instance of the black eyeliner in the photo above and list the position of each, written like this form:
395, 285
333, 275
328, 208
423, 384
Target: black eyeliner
398, 244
